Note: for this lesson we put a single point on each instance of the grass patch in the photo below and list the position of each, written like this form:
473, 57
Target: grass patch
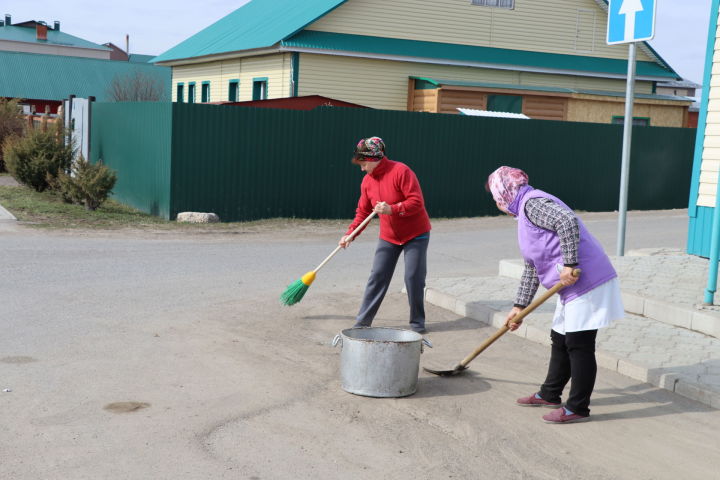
46, 209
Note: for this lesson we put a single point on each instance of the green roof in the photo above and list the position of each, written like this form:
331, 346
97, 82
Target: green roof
257, 24
309, 39
55, 77
138, 58
54, 37
512, 86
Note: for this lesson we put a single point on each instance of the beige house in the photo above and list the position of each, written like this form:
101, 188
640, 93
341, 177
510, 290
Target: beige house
548, 60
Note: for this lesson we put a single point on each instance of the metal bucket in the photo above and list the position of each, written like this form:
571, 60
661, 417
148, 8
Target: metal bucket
380, 362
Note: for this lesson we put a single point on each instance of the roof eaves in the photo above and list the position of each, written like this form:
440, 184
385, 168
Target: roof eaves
531, 88
252, 52
258, 31
310, 41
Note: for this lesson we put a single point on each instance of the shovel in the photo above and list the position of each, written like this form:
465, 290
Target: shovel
501, 331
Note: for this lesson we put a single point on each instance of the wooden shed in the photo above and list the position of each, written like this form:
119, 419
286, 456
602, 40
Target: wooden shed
544, 103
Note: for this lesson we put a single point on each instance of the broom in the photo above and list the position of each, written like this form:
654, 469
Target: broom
296, 291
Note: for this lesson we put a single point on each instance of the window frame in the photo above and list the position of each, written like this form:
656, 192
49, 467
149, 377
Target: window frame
191, 92
205, 92
262, 94
491, 96
234, 87
180, 92
484, 3
622, 121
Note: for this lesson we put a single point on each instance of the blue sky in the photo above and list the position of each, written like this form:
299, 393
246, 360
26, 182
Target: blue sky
155, 26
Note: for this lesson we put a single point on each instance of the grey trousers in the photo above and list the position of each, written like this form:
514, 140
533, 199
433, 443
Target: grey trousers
386, 257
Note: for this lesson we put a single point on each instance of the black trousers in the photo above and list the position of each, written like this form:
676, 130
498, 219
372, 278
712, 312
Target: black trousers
386, 257
572, 359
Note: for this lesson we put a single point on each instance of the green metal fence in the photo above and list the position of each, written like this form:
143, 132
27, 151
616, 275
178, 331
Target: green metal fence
246, 164
134, 139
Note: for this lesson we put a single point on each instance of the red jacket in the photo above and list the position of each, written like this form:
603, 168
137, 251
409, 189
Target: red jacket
395, 184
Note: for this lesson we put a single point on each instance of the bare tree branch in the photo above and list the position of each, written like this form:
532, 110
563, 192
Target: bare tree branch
135, 87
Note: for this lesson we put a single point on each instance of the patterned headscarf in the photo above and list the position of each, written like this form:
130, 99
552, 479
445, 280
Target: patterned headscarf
505, 183
372, 148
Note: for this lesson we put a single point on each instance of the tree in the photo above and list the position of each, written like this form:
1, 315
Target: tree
11, 123
135, 87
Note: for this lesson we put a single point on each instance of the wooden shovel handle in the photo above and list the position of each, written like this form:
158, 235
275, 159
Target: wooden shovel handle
524, 313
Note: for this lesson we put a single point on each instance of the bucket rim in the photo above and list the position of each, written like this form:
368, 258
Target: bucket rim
418, 336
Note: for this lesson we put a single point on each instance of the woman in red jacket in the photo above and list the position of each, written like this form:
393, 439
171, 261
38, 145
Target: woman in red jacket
392, 190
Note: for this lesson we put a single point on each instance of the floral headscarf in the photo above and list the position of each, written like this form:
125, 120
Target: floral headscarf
372, 148
505, 183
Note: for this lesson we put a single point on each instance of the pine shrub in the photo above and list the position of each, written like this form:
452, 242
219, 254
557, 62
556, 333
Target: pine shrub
38, 157
88, 184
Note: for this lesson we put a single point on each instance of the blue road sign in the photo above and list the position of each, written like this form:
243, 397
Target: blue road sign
631, 21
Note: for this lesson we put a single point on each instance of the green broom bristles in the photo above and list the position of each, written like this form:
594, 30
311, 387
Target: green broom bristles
296, 290
294, 293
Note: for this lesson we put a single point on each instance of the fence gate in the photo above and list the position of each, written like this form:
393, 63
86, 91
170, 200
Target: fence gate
77, 122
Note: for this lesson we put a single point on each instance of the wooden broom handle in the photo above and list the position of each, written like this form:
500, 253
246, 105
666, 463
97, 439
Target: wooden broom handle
351, 236
524, 313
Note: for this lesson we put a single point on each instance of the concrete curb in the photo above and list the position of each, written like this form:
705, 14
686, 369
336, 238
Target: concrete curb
6, 216
682, 385
655, 309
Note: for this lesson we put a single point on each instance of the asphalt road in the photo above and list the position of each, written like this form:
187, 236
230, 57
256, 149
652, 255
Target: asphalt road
136, 355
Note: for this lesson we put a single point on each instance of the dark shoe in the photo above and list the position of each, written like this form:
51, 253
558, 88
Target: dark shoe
533, 401
420, 330
561, 416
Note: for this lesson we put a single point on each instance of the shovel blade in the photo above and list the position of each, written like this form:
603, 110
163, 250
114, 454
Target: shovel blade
457, 369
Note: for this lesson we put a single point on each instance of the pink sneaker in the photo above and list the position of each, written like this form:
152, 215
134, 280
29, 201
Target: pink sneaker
560, 416
534, 401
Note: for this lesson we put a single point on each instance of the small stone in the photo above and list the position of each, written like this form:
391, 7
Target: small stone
7, 390
197, 217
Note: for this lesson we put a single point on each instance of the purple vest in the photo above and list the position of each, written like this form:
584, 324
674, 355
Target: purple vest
541, 247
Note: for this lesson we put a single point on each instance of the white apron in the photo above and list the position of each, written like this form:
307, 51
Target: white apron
595, 309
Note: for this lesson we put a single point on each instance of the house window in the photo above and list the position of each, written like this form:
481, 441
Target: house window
260, 91
637, 121
191, 92
509, 4
505, 103
180, 93
233, 88
205, 92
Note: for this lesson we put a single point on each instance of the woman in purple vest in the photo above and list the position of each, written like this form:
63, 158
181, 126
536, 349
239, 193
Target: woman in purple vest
553, 242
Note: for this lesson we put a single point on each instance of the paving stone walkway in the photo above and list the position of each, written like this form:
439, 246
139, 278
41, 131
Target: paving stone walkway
668, 338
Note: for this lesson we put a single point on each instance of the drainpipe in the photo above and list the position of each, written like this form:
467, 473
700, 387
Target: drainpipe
715, 238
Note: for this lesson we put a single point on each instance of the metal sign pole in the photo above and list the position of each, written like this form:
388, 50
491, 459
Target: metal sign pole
627, 142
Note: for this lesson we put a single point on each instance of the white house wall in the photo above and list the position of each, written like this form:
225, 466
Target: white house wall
383, 84
276, 68
573, 27
710, 165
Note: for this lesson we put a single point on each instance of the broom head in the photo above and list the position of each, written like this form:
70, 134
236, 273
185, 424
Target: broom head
296, 290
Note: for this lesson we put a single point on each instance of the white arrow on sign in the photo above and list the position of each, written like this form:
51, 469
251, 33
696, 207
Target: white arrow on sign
630, 8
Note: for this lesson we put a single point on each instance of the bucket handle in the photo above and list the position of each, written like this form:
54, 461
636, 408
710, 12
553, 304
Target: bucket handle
425, 341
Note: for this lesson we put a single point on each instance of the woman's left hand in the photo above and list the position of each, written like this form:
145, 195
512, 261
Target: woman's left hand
566, 276
382, 208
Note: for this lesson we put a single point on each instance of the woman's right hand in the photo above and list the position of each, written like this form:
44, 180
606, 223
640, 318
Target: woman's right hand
345, 241
512, 314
